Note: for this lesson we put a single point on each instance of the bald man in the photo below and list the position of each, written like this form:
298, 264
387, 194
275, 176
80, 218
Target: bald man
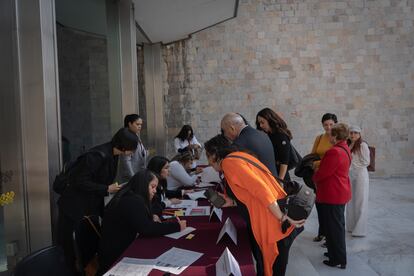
257, 142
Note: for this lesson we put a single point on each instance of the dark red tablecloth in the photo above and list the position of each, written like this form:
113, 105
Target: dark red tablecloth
204, 241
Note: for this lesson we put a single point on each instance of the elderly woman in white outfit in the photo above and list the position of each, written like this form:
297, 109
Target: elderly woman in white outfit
357, 208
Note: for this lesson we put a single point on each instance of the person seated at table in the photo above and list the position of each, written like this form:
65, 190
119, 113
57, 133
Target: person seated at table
186, 141
128, 215
259, 191
179, 177
164, 198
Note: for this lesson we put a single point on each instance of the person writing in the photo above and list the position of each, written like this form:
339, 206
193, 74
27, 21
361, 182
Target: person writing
179, 177
129, 215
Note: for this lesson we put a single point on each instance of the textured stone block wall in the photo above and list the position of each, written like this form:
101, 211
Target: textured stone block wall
84, 89
302, 59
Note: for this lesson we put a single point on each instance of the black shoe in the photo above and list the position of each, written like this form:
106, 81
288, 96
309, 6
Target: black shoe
318, 238
326, 254
332, 264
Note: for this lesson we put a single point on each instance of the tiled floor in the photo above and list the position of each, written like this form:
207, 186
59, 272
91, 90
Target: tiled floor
388, 249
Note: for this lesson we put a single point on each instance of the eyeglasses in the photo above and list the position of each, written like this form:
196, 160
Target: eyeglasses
353, 132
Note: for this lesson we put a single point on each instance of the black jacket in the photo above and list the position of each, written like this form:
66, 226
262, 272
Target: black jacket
89, 181
121, 224
305, 169
258, 143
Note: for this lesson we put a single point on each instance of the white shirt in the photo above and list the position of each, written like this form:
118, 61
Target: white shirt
179, 177
180, 144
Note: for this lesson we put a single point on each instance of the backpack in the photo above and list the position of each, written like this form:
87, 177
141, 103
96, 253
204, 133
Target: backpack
300, 198
62, 180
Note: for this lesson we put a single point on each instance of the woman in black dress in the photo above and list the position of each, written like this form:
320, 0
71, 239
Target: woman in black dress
268, 121
128, 215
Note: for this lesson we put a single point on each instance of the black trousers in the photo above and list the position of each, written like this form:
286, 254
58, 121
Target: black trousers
334, 217
280, 265
66, 226
322, 226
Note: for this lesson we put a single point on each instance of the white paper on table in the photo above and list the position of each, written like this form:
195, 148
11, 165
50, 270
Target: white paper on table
176, 260
110, 196
204, 185
210, 175
179, 234
132, 267
196, 195
227, 265
229, 229
216, 212
185, 203
198, 211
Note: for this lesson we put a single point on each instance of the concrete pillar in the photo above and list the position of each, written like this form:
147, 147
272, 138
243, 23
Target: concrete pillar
122, 66
154, 98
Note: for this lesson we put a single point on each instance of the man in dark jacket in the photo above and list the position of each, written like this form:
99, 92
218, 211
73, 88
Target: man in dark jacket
245, 137
91, 179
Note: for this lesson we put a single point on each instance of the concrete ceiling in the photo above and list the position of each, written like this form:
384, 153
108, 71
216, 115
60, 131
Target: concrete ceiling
163, 21
167, 21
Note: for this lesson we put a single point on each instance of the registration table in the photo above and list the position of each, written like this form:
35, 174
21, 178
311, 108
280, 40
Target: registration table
204, 241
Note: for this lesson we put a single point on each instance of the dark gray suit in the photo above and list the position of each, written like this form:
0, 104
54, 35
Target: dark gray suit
258, 143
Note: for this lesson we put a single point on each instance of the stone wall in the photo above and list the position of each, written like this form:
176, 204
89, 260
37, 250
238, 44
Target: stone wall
141, 93
302, 59
84, 89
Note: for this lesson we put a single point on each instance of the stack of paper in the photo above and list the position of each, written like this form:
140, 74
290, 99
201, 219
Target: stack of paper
132, 267
185, 203
176, 260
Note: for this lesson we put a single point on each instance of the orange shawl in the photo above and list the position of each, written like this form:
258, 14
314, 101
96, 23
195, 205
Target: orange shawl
257, 190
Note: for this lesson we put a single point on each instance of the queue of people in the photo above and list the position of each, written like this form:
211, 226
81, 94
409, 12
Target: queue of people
148, 187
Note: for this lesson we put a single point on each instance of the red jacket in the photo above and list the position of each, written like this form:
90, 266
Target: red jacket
332, 178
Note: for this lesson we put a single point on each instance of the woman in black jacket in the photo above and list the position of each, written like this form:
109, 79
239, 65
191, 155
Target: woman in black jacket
268, 121
91, 178
128, 215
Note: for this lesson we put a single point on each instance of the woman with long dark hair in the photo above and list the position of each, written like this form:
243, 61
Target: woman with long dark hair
357, 208
276, 128
164, 198
179, 177
129, 214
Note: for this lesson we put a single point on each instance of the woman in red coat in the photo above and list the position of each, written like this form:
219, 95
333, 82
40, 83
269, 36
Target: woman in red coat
333, 191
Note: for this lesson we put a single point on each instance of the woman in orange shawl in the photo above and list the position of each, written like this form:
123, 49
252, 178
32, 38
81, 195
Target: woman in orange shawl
258, 190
